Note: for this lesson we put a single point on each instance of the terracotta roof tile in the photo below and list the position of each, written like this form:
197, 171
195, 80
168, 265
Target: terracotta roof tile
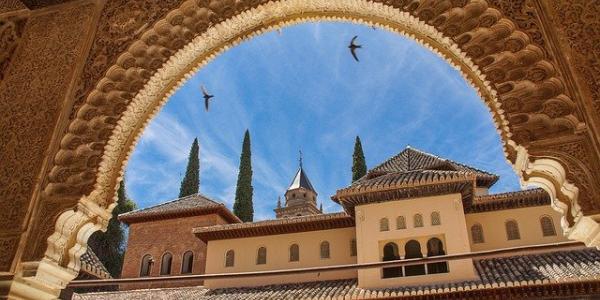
522, 270
276, 226
510, 200
409, 184
413, 159
196, 203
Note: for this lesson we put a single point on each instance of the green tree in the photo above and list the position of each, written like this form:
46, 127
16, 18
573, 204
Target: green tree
191, 180
359, 166
242, 207
109, 246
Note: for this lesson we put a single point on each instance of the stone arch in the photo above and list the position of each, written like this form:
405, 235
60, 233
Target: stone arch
521, 87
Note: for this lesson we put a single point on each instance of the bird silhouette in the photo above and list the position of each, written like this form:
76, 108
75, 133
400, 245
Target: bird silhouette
353, 47
206, 96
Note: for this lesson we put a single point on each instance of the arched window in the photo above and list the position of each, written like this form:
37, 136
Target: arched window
165, 264
435, 247
413, 250
547, 226
477, 234
512, 230
146, 266
390, 252
261, 256
384, 224
353, 247
400, 222
294, 252
435, 218
325, 249
187, 263
418, 220
229, 258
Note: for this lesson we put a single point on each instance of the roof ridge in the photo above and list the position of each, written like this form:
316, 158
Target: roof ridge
170, 202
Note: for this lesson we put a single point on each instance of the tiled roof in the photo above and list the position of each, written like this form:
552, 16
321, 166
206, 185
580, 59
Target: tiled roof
277, 226
301, 181
189, 205
91, 264
510, 200
408, 184
531, 275
413, 159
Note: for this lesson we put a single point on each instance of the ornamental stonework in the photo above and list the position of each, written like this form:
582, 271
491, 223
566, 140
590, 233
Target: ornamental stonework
32, 94
580, 24
134, 39
11, 29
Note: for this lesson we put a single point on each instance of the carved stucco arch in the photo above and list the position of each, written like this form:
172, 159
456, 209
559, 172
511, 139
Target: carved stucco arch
510, 73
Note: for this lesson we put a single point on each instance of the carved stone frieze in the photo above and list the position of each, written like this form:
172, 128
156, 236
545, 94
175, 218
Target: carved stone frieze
32, 95
582, 169
121, 22
579, 21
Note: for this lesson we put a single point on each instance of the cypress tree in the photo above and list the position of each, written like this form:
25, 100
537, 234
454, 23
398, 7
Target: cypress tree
109, 246
191, 180
359, 166
242, 207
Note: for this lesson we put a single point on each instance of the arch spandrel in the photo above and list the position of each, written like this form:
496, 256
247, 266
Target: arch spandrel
521, 86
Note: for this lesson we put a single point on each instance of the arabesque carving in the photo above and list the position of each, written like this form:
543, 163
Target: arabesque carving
144, 52
32, 95
581, 25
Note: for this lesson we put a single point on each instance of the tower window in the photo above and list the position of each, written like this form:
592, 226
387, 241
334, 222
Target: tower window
418, 220
512, 230
229, 258
294, 252
325, 249
261, 256
146, 266
187, 262
384, 224
400, 222
477, 234
547, 226
165, 264
435, 218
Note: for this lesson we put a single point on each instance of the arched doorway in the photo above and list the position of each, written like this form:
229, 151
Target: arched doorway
390, 252
413, 250
112, 116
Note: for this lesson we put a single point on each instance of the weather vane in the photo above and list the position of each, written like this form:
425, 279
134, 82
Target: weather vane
300, 159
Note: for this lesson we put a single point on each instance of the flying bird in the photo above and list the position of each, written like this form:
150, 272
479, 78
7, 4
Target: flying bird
206, 96
353, 47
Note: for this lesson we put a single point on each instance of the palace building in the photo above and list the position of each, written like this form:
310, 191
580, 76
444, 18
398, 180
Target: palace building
414, 205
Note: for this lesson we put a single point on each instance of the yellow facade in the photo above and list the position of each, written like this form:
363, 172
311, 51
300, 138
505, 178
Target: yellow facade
278, 258
453, 230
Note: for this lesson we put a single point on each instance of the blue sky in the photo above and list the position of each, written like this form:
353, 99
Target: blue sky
301, 89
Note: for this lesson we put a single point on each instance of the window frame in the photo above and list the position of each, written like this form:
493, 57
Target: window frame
183, 261
327, 249
226, 262
482, 236
516, 228
551, 224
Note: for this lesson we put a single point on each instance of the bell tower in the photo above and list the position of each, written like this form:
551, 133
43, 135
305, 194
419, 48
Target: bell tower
300, 197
